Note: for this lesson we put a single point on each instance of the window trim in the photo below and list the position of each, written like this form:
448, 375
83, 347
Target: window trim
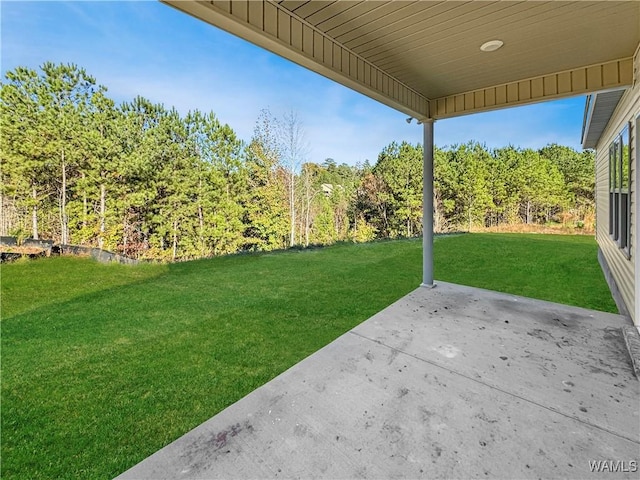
619, 196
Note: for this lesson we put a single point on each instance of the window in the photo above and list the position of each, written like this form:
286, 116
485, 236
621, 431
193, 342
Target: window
619, 190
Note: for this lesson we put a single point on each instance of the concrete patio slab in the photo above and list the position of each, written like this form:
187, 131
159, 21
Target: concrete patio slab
450, 382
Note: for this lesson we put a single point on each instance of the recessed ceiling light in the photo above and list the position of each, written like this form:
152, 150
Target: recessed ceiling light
491, 46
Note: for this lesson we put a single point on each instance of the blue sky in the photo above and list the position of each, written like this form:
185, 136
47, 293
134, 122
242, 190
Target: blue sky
147, 48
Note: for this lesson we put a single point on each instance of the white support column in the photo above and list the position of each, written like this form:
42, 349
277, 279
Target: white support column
427, 206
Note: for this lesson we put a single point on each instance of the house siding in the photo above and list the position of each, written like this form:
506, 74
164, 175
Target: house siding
620, 264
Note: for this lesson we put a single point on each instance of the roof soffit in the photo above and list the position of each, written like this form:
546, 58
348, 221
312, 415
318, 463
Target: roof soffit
409, 54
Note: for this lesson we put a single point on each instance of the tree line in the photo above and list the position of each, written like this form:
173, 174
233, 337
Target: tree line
143, 180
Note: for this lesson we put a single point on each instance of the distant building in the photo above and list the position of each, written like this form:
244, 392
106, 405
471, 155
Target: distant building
327, 189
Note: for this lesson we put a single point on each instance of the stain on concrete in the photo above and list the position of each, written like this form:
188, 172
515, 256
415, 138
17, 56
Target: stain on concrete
565, 342
201, 449
545, 364
320, 387
437, 451
392, 356
349, 366
559, 321
393, 433
540, 334
425, 414
594, 369
483, 416
275, 399
570, 320
435, 379
220, 439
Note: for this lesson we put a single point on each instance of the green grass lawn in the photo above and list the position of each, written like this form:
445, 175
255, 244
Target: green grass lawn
104, 364
558, 268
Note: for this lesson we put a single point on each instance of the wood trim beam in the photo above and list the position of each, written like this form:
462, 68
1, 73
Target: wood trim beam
270, 26
579, 81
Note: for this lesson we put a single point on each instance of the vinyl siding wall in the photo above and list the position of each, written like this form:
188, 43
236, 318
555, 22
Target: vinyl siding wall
620, 264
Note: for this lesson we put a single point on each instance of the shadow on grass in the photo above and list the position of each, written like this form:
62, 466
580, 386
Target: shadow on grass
27, 285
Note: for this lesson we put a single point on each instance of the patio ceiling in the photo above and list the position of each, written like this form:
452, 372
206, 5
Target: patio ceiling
423, 57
